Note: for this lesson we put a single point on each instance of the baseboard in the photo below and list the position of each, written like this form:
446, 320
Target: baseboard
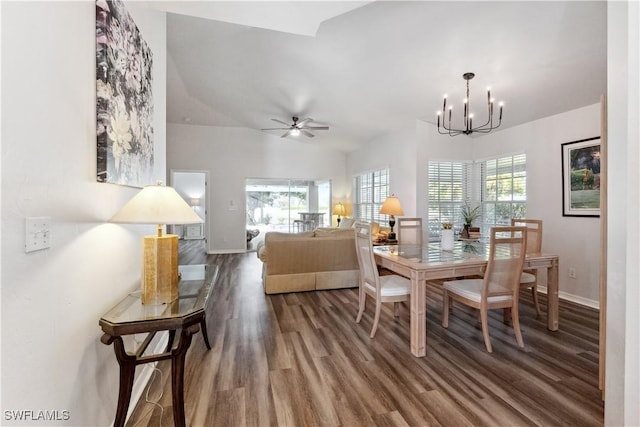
573, 298
140, 383
227, 251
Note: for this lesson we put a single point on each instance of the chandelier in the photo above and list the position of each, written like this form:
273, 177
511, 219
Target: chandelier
487, 127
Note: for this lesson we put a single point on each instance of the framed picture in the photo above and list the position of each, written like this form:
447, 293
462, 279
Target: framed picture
124, 98
581, 177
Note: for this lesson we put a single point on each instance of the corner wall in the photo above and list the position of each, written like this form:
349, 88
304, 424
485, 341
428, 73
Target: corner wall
575, 239
396, 151
52, 357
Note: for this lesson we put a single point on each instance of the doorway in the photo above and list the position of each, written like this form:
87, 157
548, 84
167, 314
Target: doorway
192, 187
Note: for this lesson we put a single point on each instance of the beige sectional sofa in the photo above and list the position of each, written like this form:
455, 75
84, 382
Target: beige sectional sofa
321, 259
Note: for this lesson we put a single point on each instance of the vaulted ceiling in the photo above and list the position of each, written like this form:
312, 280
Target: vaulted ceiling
370, 68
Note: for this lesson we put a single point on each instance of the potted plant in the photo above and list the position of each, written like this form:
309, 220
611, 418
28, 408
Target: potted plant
469, 215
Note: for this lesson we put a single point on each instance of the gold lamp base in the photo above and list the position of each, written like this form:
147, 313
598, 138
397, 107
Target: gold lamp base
159, 269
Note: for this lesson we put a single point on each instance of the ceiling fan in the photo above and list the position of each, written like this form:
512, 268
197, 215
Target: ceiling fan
298, 127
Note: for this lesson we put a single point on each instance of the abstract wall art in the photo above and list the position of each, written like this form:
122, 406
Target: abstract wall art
124, 98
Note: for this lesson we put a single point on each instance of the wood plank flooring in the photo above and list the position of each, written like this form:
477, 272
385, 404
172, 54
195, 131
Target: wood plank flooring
301, 360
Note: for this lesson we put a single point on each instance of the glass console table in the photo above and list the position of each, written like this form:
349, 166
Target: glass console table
186, 314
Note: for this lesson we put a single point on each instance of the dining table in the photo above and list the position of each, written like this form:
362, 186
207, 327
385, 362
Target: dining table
429, 263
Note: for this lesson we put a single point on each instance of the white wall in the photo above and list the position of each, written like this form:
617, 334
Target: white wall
623, 260
231, 155
575, 239
395, 151
52, 357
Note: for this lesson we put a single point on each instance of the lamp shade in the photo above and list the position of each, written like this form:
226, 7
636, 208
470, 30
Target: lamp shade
339, 209
391, 206
157, 204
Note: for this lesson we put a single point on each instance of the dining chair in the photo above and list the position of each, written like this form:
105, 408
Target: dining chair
500, 285
529, 278
409, 231
383, 289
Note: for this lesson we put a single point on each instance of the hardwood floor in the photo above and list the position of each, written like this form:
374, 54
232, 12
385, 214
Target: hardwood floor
301, 360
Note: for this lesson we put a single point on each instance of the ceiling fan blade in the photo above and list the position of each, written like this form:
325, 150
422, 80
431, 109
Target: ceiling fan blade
302, 122
286, 134
317, 127
276, 129
306, 133
281, 122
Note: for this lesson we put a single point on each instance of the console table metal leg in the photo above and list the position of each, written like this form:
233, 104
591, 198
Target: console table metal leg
171, 338
205, 334
127, 374
177, 374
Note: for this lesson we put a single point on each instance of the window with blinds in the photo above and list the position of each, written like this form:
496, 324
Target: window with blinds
450, 185
371, 189
504, 189
498, 185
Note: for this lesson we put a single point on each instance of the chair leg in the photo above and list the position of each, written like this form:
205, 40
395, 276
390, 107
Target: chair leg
361, 302
445, 309
515, 320
376, 318
506, 315
534, 293
484, 316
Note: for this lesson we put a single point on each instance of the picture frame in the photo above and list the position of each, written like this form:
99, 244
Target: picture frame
581, 177
124, 98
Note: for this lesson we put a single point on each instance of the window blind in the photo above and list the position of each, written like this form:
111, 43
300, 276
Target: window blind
450, 185
504, 190
371, 189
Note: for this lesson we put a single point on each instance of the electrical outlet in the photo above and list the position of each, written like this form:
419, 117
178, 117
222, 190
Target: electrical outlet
37, 234
572, 272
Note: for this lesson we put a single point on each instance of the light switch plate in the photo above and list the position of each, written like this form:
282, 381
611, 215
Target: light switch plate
37, 233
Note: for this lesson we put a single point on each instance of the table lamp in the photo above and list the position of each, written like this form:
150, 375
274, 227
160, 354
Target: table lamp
339, 209
157, 204
391, 207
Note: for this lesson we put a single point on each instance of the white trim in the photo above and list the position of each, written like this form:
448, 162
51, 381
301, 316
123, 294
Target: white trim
227, 251
573, 298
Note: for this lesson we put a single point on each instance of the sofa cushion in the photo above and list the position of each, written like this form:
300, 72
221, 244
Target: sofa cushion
277, 235
334, 233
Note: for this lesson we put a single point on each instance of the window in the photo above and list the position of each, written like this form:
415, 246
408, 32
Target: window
499, 185
504, 189
277, 204
371, 189
450, 185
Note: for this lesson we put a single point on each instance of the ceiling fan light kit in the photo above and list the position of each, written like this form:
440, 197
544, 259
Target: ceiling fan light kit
298, 127
468, 128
